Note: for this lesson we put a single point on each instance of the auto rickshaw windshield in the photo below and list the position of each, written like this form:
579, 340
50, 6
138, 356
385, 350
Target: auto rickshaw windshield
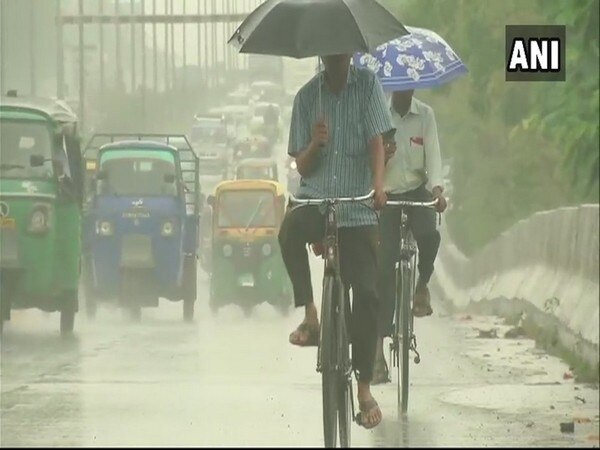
246, 209
256, 173
19, 140
128, 175
213, 133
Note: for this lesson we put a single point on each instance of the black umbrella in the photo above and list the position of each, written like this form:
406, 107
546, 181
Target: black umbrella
303, 28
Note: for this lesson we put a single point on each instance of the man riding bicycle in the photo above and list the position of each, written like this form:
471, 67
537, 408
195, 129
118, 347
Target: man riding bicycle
339, 153
413, 164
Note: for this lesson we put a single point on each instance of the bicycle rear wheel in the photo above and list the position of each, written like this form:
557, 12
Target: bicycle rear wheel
405, 319
327, 358
397, 339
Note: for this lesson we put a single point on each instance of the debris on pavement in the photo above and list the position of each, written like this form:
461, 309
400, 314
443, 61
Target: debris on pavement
580, 399
582, 420
568, 375
567, 427
515, 333
487, 334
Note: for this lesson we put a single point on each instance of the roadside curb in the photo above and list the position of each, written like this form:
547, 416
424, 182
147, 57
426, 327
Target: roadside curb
544, 271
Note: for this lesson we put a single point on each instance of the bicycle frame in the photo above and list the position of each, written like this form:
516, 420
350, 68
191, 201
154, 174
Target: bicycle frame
335, 309
404, 339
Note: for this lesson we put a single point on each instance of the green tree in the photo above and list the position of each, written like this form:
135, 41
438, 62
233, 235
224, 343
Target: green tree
515, 148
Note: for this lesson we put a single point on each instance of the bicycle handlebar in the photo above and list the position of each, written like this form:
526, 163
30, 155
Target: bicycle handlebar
320, 201
430, 204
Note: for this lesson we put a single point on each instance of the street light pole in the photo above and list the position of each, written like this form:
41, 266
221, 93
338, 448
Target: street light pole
101, 59
154, 55
183, 83
173, 74
132, 31
120, 82
81, 74
32, 35
60, 68
143, 49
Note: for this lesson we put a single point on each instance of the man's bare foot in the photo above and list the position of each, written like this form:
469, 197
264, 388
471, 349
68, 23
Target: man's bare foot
370, 415
307, 333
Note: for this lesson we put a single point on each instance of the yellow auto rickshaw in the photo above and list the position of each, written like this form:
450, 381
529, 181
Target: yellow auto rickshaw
257, 169
246, 264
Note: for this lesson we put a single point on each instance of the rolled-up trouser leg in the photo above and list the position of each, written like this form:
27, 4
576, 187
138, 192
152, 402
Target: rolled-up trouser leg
428, 247
358, 264
299, 227
423, 226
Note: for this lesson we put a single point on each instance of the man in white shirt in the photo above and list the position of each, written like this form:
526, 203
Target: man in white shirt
413, 172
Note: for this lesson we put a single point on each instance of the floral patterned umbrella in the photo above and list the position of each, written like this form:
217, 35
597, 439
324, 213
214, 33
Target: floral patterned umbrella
421, 59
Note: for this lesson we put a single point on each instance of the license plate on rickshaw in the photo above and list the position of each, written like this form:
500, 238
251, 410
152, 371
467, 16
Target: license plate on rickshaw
7, 222
246, 280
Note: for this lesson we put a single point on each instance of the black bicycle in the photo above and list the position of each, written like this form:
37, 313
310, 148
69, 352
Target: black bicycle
333, 356
404, 339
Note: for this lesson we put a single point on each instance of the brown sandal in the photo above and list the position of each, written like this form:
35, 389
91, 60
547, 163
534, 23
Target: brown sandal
366, 408
311, 333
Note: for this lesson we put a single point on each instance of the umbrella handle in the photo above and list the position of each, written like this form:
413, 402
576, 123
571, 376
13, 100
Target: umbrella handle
321, 145
320, 82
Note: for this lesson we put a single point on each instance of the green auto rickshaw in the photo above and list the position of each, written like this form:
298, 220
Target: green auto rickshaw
41, 185
246, 264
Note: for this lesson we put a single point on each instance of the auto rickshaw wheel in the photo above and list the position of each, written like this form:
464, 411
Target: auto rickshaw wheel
5, 295
188, 310
135, 312
128, 293
247, 310
91, 304
284, 309
190, 276
67, 313
212, 303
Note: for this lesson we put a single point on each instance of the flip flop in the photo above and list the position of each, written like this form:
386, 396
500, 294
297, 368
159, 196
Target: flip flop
312, 333
366, 408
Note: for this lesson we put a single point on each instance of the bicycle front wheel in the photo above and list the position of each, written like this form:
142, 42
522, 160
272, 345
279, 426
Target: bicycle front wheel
344, 371
327, 360
405, 320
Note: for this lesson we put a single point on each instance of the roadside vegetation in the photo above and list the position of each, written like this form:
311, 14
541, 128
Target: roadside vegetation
514, 148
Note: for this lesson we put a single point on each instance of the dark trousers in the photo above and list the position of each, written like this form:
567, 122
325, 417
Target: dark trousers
358, 251
421, 222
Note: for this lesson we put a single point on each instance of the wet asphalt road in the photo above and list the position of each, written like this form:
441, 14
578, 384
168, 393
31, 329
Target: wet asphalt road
235, 381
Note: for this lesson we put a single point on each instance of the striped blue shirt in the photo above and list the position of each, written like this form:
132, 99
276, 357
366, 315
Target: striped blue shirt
357, 115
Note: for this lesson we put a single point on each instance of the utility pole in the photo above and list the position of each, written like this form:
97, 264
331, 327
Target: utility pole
81, 74
154, 54
60, 68
132, 31
166, 48
173, 74
143, 48
213, 68
120, 82
32, 34
198, 36
206, 76
183, 75
101, 59
2, 53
